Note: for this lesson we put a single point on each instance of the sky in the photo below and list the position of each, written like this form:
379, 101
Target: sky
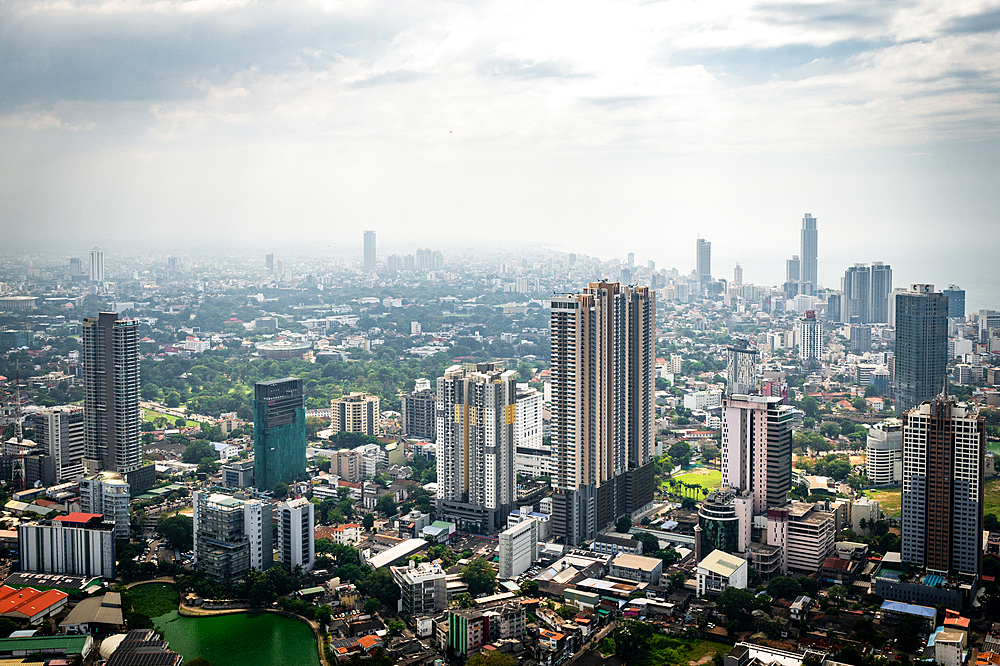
594, 127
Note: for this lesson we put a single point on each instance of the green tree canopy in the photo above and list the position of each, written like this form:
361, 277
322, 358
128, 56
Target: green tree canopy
178, 530
480, 576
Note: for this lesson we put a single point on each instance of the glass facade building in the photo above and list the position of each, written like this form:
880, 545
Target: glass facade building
279, 431
921, 345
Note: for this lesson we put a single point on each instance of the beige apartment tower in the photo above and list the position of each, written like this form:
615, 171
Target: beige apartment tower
356, 412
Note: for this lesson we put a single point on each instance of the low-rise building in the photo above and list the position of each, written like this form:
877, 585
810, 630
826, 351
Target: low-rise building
471, 629
30, 605
81, 544
638, 568
237, 474
423, 588
102, 613
518, 548
720, 571
616, 544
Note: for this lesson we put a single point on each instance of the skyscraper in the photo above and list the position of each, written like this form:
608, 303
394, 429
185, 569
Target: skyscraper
793, 269
602, 406
741, 369
857, 294
296, 545
738, 274
97, 265
757, 448
956, 301
279, 432
61, 431
944, 446
881, 285
111, 406
269, 263
921, 345
810, 339
369, 251
808, 252
476, 413
703, 257
232, 535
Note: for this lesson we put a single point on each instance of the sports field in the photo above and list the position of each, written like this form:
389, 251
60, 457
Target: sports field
703, 476
890, 500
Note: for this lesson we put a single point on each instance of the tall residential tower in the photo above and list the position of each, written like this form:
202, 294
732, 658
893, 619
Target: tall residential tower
369, 251
921, 345
808, 253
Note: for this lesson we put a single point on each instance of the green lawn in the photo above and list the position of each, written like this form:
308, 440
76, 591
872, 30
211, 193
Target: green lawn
154, 599
891, 500
150, 415
703, 476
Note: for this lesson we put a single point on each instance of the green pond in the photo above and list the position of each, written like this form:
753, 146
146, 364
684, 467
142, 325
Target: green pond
260, 639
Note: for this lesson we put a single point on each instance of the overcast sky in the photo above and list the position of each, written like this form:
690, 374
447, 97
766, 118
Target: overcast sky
597, 127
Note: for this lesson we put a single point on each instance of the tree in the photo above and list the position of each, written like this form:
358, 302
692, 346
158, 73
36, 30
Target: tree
395, 627
529, 588
465, 600
198, 661
199, 450
491, 658
372, 606
565, 612
178, 530
830, 429
623, 525
736, 605
173, 400
280, 491
386, 505
676, 580
480, 576
379, 584
783, 587
650, 544
991, 523
810, 406
368, 522
680, 453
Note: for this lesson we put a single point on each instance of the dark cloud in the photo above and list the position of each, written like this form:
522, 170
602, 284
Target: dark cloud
975, 23
520, 68
46, 57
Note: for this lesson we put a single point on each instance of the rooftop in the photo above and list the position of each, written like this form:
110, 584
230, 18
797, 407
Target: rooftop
722, 563
636, 562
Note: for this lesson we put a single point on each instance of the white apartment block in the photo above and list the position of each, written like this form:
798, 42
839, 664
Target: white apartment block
296, 546
531, 457
804, 534
884, 450
518, 548
107, 493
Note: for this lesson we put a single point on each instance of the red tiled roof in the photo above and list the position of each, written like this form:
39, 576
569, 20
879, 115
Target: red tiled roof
77, 517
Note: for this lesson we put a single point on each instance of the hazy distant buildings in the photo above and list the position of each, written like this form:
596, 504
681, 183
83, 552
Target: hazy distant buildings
921, 360
97, 265
369, 251
603, 364
881, 286
956, 302
703, 259
944, 444
808, 252
279, 432
269, 263
866, 293
738, 275
793, 268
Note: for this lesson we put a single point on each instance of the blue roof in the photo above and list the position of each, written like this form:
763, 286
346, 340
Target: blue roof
909, 609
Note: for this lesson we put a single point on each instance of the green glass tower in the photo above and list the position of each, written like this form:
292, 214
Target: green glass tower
279, 432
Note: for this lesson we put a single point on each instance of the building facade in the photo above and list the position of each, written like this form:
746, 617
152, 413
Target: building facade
884, 463
603, 370
810, 339
279, 432
232, 534
703, 261
921, 361
369, 262
107, 493
356, 412
61, 431
476, 415
741, 370
423, 587
944, 447
757, 448
532, 458
80, 544
296, 523
809, 250
418, 414
518, 548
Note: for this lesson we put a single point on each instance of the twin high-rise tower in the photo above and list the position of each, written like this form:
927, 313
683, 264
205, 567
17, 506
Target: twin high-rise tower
603, 365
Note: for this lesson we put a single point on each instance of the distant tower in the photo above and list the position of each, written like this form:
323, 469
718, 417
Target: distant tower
269, 263
956, 301
631, 258
881, 285
793, 268
703, 258
369, 251
810, 339
279, 432
808, 251
921, 345
857, 294
738, 275
97, 265
572, 259
741, 369
944, 446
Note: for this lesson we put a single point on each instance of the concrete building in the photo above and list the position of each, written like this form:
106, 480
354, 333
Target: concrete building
544, 520
232, 534
757, 448
703, 261
803, 533
279, 432
476, 416
532, 458
956, 301
423, 588
884, 464
720, 571
944, 447
741, 369
348, 464
112, 416
810, 331
603, 372
369, 257
469, 630
921, 345
80, 544
237, 474
636, 567
356, 412
809, 249
107, 493
518, 549
724, 522
61, 432
296, 523
419, 419
97, 265
614, 543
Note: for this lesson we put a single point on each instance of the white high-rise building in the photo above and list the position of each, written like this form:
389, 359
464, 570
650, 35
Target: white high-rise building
757, 448
884, 464
810, 331
232, 534
60, 431
107, 493
531, 457
97, 265
476, 408
296, 546
808, 252
741, 370
518, 548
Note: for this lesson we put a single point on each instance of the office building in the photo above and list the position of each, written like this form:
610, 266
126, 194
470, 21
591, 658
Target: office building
833, 307
356, 412
75, 267
476, 416
719, 571
738, 275
107, 493
723, 522
269, 263
881, 287
279, 432
857, 293
603, 367
703, 258
757, 448
861, 338
956, 302
232, 534
944, 447
80, 544
803, 533
423, 587
810, 339
884, 460
793, 269
921, 346
111, 407
369, 251
237, 474
418, 414
809, 251
532, 458
61, 432
741, 369
97, 265
295, 534
518, 548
